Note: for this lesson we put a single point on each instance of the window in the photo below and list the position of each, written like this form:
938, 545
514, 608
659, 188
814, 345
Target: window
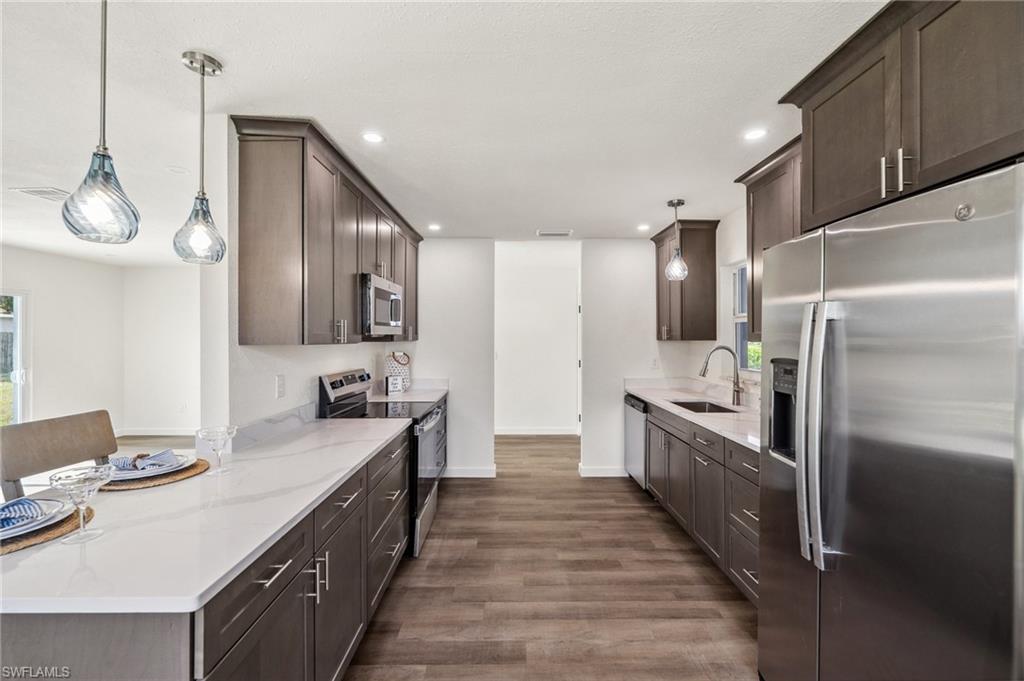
749, 352
12, 371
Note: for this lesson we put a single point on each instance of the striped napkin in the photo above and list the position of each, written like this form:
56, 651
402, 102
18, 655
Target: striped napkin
142, 461
18, 511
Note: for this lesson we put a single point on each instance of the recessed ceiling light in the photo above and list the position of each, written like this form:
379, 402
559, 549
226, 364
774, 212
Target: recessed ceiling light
754, 134
434, 227
373, 137
644, 227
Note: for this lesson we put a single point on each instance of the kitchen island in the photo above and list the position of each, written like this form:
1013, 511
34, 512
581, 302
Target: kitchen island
140, 602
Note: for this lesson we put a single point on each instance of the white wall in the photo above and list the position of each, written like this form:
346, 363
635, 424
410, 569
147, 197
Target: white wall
456, 317
161, 351
618, 292
75, 335
536, 293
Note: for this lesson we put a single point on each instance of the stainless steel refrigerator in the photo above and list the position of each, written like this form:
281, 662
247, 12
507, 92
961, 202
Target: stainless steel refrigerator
887, 461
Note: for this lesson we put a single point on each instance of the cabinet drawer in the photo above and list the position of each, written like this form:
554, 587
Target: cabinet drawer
742, 561
670, 422
342, 503
744, 461
232, 611
741, 500
386, 557
707, 442
386, 498
385, 458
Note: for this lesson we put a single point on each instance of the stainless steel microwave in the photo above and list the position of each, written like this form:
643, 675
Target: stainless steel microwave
382, 306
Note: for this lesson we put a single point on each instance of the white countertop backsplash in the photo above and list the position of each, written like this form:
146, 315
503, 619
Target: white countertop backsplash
172, 548
742, 427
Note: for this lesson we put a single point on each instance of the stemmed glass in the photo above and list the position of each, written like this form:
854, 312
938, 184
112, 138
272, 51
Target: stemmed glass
81, 484
218, 437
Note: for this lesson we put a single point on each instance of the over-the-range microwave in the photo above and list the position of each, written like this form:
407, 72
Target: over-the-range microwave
382, 306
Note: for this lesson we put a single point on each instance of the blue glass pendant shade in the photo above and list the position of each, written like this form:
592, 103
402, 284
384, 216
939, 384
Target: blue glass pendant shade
99, 210
198, 242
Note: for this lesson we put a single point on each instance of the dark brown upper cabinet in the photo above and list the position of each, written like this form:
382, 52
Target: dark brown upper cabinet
924, 93
412, 291
773, 217
687, 310
308, 224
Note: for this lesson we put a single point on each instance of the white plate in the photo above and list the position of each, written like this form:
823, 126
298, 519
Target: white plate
184, 460
54, 510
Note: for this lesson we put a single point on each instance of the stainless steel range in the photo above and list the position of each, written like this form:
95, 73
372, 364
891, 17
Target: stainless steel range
343, 395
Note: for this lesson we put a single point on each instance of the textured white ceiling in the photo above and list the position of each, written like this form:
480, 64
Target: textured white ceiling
499, 118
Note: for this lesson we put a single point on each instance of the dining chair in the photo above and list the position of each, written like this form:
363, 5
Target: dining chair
39, 446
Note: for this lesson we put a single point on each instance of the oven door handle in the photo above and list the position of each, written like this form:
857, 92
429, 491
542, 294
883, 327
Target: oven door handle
430, 423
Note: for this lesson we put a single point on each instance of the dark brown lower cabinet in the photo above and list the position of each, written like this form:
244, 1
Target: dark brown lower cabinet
742, 562
385, 557
678, 502
341, 613
708, 491
280, 644
657, 462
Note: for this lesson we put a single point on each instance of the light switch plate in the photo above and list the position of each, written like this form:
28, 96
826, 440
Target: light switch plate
279, 386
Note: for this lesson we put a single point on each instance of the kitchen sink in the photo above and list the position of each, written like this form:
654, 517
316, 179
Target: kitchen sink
705, 407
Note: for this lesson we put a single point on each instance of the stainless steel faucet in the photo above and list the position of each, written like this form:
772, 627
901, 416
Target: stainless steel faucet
737, 391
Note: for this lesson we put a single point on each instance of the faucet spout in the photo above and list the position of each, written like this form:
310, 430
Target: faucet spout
737, 390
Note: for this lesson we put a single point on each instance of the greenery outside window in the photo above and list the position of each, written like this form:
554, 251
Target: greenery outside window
749, 352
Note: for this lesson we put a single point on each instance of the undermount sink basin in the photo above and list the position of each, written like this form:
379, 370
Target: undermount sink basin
705, 407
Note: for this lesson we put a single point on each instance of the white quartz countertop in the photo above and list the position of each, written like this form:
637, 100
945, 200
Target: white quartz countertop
172, 548
413, 395
743, 427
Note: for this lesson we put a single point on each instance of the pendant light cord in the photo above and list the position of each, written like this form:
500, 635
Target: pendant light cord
202, 129
102, 147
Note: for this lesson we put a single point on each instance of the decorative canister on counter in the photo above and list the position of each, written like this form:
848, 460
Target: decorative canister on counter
397, 365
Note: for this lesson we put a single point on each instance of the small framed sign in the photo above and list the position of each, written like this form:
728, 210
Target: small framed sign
395, 384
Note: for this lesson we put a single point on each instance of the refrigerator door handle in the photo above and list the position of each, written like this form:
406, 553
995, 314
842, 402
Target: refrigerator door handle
827, 311
800, 445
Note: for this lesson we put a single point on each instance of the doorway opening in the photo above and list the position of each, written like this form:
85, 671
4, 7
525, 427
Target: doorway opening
13, 375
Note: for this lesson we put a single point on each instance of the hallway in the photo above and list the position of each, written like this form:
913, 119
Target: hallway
539, 574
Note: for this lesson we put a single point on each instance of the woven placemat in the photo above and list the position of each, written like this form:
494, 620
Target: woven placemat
66, 526
200, 466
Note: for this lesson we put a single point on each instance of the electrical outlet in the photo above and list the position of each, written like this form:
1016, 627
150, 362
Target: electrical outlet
654, 363
279, 386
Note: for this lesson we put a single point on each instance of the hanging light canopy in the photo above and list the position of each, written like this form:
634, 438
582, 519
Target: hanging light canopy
676, 270
99, 210
198, 241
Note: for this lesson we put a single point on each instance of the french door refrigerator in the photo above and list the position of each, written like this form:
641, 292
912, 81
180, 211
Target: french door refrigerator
888, 441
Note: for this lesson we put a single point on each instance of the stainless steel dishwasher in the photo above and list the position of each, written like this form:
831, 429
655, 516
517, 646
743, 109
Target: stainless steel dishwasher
636, 439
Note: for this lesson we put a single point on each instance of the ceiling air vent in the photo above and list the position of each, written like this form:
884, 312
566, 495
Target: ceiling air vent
554, 233
47, 193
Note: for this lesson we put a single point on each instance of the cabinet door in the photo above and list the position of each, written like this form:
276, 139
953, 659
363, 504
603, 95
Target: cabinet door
385, 246
368, 217
773, 217
963, 89
341, 614
708, 526
662, 256
679, 480
398, 261
412, 291
851, 134
697, 294
280, 644
346, 265
322, 181
657, 462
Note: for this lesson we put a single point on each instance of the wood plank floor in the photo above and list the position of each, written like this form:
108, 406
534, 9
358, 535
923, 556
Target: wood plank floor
539, 574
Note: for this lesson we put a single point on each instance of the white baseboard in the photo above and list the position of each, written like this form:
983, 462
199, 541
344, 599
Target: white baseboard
602, 472
537, 430
471, 472
156, 432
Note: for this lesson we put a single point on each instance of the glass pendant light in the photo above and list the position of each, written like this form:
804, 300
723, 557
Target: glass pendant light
99, 210
676, 270
198, 241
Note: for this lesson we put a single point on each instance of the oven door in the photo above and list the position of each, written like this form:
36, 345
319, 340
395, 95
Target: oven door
382, 306
431, 452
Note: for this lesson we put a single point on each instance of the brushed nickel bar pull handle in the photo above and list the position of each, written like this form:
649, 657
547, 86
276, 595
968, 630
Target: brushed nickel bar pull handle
394, 495
327, 570
338, 334
883, 166
900, 158
700, 460
751, 575
755, 517
348, 500
704, 442
315, 571
394, 549
749, 467
280, 570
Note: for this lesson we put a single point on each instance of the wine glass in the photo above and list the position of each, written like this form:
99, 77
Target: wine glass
218, 437
80, 484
